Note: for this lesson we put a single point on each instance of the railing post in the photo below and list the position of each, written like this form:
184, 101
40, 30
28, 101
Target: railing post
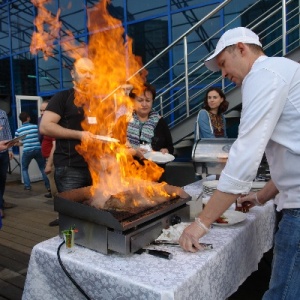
161, 106
283, 28
186, 72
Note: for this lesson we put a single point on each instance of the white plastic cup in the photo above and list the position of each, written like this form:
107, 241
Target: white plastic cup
195, 206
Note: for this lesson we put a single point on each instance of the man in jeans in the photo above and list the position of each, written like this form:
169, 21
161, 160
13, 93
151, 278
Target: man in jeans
62, 120
31, 150
270, 123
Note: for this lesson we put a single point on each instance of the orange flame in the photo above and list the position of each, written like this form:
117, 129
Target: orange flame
114, 172
43, 40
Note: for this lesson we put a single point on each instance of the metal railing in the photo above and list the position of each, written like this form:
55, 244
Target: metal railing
182, 96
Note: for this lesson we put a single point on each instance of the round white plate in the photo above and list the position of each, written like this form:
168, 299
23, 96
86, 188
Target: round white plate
106, 138
159, 157
232, 217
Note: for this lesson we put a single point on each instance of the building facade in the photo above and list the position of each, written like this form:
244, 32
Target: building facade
153, 25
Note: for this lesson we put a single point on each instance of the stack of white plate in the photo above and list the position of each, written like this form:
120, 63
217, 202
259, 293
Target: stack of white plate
209, 187
257, 185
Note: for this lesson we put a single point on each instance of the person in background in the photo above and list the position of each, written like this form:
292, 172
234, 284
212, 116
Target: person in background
145, 130
270, 123
211, 122
62, 121
47, 143
5, 155
31, 150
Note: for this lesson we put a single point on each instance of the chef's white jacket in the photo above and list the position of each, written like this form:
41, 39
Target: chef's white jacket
270, 122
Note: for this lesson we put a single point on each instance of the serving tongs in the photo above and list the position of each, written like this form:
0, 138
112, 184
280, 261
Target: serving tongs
175, 243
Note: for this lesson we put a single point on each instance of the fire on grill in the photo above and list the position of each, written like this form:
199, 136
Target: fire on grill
126, 207
127, 201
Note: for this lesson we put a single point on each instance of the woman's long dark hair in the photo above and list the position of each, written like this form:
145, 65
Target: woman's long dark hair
223, 106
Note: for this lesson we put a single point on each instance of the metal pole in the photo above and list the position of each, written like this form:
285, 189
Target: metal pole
283, 28
198, 24
161, 106
186, 71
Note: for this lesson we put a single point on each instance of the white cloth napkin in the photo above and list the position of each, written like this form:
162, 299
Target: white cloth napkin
173, 233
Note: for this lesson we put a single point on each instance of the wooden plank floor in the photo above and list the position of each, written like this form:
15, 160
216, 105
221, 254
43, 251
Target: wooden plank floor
24, 226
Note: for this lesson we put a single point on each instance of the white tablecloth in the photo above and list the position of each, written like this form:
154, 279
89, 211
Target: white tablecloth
208, 275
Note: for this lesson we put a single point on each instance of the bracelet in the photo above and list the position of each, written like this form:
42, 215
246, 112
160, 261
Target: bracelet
201, 225
257, 202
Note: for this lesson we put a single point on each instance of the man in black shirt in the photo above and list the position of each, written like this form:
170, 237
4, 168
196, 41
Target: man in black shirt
62, 120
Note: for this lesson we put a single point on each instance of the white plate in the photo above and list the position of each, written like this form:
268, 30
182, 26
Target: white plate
106, 138
233, 217
159, 157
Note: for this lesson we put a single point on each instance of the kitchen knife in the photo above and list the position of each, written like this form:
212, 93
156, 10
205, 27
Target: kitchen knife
155, 252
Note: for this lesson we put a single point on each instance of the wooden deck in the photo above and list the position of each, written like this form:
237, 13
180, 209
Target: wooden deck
26, 225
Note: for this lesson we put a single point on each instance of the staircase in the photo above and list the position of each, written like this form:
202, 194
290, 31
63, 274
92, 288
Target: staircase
181, 88
275, 21
183, 134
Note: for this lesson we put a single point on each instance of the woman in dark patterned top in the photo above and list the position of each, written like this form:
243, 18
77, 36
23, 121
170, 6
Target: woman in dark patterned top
146, 129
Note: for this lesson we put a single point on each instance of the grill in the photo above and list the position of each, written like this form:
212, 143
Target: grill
107, 230
210, 155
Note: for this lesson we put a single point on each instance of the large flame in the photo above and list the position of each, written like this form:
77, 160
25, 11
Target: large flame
48, 27
114, 172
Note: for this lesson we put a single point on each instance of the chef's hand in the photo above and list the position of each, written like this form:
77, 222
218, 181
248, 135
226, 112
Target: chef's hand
189, 239
248, 201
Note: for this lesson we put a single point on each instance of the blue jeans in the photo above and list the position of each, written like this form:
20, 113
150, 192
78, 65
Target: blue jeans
27, 157
4, 161
68, 178
285, 277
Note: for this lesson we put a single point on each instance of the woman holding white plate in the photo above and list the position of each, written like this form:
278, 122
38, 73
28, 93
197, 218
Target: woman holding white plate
146, 129
147, 134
